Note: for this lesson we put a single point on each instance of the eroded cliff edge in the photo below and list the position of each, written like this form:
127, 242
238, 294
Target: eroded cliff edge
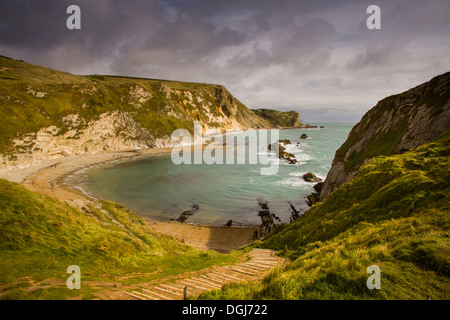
396, 124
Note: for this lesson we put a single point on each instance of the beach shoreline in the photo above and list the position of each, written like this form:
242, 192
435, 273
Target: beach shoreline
49, 178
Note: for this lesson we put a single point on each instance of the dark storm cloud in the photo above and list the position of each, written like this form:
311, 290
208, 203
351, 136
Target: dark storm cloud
310, 56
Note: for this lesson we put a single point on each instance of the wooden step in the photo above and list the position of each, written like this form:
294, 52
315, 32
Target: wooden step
165, 291
219, 282
193, 285
219, 277
155, 294
173, 287
242, 271
227, 276
269, 263
201, 283
253, 267
146, 296
134, 295
208, 282
262, 267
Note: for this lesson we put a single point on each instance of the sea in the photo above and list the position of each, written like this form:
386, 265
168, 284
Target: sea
157, 188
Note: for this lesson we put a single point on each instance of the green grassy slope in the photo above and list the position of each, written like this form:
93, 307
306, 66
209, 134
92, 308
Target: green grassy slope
40, 237
393, 214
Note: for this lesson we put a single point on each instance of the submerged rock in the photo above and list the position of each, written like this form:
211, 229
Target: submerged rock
187, 213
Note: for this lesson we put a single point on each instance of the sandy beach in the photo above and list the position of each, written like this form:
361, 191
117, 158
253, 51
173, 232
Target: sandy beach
49, 177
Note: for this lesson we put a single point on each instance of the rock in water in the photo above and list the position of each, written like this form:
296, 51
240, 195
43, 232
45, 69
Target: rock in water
263, 205
282, 154
285, 141
229, 223
318, 187
311, 177
186, 214
266, 219
312, 199
267, 222
304, 136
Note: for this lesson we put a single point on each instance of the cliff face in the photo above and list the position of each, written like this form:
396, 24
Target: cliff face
396, 124
280, 119
46, 114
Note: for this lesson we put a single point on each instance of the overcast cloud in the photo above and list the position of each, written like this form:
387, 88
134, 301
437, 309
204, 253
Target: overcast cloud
315, 57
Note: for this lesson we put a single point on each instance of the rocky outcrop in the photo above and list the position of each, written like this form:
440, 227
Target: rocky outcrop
314, 197
187, 213
311, 177
267, 219
280, 119
282, 153
396, 124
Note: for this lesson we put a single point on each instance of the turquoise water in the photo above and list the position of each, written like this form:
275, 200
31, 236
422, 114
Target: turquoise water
157, 188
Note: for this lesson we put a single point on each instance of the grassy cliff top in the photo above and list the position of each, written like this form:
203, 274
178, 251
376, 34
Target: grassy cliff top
18, 70
393, 214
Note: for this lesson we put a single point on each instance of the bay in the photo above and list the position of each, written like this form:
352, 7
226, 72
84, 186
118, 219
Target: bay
157, 188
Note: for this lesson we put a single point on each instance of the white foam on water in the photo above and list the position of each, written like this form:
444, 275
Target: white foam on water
294, 182
296, 174
299, 153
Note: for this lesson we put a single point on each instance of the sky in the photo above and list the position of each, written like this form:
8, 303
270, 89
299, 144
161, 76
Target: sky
315, 57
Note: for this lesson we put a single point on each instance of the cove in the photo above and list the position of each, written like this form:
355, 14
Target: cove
157, 188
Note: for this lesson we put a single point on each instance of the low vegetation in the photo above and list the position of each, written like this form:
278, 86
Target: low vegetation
40, 237
393, 214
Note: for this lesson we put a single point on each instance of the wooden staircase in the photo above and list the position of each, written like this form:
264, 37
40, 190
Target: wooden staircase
260, 262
